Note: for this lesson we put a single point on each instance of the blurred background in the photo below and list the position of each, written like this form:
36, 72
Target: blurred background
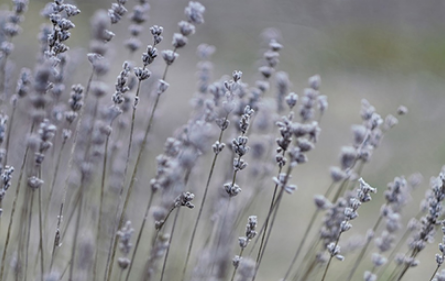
389, 52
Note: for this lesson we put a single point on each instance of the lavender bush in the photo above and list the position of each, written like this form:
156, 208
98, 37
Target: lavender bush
87, 193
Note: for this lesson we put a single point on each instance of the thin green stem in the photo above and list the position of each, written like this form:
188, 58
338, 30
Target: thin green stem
41, 245
308, 271
53, 253
330, 258
77, 195
329, 190
434, 273
71, 214
269, 232
81, 192
138, 239
310, 253
8, 136
102, 197
65, 269
398, 246
363, 251
326, 269
3, 78
269, 215
28, 212
393, 274
120, 213
219, 234
275, 212
161, 225
121, 273
394, 251
407, 265
340, 190
236, 267
266, 223
28, 234
306, 233
14, 206
201, 207
73, 148
300, 246
77, 228
54, 178
260, 183
120, 217
223, 225
164, 265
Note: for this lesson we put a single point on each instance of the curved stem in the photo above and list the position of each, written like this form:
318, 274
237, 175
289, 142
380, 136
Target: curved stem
161, 225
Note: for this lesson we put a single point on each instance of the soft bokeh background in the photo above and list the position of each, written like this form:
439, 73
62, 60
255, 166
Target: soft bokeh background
388, 52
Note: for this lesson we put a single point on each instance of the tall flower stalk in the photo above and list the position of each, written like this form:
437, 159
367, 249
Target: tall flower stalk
194, 13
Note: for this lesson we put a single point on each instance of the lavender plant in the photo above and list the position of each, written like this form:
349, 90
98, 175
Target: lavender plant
86, 192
